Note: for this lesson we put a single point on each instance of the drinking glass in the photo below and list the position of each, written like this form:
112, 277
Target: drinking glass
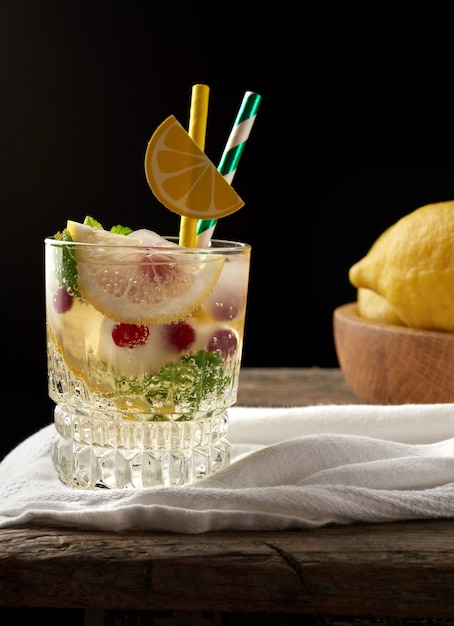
142, 404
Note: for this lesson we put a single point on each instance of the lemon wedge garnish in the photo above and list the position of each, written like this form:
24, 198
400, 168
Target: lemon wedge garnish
183, 178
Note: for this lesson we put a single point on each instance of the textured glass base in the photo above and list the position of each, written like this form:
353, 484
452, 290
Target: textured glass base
91, 453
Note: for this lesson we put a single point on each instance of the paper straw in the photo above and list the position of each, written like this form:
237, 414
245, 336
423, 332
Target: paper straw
230, 157
197, 131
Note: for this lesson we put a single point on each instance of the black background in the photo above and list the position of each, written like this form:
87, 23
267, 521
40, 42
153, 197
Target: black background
353, 132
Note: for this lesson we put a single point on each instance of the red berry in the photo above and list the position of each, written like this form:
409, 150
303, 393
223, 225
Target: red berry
63, 300
224, 341
180, 335
130, 335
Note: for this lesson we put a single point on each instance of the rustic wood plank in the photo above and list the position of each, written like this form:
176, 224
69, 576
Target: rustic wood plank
329, 571
294, 387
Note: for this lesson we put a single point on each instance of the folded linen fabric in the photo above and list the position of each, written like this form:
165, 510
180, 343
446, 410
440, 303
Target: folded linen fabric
300, 467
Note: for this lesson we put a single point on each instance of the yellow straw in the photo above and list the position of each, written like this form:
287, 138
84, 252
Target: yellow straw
197, 130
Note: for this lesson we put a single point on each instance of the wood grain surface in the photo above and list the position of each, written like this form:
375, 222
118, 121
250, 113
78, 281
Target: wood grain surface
294, 387
389, 364
397, 570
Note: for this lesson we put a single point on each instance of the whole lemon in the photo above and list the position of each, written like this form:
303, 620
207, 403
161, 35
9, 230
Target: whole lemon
376, 308
411, 266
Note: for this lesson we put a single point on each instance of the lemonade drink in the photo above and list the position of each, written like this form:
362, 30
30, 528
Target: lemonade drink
144, 343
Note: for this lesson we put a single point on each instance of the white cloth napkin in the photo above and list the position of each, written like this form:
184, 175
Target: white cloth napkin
297, 467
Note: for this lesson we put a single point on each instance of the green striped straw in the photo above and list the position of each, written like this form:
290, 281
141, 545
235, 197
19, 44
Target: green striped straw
232, 152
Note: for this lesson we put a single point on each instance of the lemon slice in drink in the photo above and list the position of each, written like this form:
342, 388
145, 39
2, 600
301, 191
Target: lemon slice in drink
156, 283
183, 178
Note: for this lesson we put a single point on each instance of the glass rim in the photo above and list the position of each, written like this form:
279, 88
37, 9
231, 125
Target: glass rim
218, 246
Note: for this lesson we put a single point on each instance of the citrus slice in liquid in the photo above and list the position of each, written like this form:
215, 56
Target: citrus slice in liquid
183, 178
155, 283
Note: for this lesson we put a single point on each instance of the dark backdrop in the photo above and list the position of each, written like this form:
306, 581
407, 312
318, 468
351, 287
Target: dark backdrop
354, 131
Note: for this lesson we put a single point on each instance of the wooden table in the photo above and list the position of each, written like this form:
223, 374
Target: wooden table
334, 575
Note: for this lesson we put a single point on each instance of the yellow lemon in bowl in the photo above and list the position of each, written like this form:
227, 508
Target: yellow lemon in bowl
410, 267
376, 308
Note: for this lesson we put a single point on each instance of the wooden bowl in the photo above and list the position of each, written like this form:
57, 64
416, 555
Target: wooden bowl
388, 364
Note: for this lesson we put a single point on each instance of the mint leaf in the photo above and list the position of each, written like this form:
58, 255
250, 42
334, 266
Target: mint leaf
90, 221
181, 386
118, 229
121, 230
67, 276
